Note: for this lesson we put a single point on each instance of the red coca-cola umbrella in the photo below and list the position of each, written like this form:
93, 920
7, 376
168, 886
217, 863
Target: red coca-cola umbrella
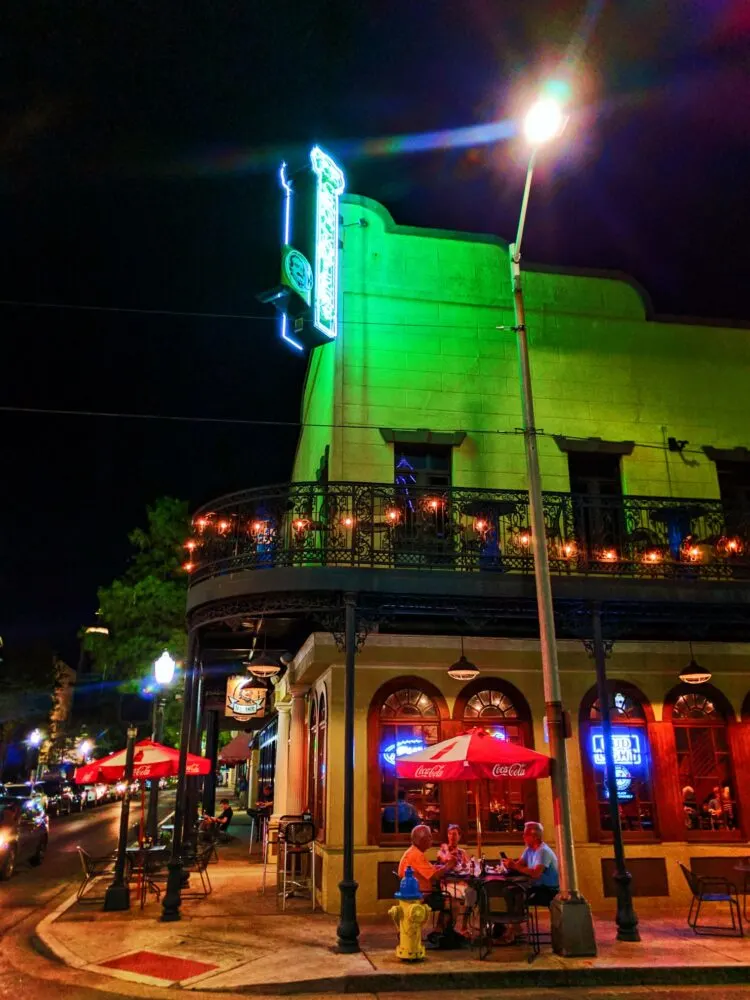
473, 756
152, 760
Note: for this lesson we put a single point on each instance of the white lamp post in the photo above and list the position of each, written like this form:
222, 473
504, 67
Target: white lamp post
164, 669
572, 925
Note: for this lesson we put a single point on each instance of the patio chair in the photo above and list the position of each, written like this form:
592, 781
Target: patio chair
94, 868
713, 889
296, 852
503, 903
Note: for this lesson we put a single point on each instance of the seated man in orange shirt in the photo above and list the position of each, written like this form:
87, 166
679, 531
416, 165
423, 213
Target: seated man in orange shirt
426, 873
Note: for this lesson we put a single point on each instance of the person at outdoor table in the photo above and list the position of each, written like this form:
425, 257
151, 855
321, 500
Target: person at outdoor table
424, 871
265, 799
539, 863
224, 818
451, 848
408, 817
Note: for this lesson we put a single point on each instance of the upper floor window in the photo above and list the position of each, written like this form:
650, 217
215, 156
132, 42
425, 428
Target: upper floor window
704, 764
595, 480
423, 465
632, 760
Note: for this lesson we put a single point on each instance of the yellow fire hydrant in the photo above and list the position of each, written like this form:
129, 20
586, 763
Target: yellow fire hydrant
409, 915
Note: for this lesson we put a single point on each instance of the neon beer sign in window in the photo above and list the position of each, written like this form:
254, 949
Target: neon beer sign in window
402, 748
627, 747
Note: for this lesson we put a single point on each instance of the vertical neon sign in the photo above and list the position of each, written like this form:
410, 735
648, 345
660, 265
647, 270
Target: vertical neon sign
330, 186
287, 233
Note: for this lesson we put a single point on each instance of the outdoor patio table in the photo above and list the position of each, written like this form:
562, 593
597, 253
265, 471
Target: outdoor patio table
744, 868
478, 882
140, 859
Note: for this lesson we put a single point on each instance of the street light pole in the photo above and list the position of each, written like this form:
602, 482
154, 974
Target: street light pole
157, 735
572, 923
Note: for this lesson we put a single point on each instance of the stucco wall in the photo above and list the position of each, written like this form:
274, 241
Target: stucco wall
419, 348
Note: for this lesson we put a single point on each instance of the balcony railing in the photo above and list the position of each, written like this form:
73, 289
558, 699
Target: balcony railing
384, 526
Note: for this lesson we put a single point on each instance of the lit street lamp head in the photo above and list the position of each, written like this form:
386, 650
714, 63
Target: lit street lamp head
35, 738
164, 669
544, 121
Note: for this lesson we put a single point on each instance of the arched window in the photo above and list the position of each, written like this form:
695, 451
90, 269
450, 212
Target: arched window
405, 717
699, 716
629, 713
316, 761
504, 803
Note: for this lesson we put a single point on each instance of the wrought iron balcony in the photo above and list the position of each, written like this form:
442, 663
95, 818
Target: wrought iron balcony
385, 526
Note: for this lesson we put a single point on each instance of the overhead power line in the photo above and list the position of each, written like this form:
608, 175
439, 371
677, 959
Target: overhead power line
292, 424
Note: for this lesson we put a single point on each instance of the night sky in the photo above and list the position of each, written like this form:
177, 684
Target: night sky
138, 147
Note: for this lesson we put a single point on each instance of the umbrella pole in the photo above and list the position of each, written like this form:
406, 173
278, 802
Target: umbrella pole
479, 818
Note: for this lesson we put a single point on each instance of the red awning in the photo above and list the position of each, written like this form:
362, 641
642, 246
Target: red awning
237, 750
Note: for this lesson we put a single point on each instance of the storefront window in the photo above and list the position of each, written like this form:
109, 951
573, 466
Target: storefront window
316, 761
501, 800
632, 764
408, 721
704, 764
267, 740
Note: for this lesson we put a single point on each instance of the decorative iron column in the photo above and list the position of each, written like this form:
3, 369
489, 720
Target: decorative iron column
117, 896
172, 899
191, 782
212, 752
627, 920
348, 929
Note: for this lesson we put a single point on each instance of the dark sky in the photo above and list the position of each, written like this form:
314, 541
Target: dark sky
138, 142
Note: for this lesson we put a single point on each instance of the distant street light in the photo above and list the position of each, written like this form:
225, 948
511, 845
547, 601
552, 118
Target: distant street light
84, 749
35, 738
164, 668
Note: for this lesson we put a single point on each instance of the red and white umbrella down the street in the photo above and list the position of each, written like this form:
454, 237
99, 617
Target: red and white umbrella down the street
152, 760
471, 756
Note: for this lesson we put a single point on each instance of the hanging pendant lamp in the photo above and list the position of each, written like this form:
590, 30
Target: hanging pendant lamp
694, 673
463, 669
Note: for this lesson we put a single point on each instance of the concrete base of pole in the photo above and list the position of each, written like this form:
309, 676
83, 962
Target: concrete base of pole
572, 927
117, 897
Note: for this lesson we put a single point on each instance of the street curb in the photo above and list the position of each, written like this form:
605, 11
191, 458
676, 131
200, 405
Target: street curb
501, 979
44, 936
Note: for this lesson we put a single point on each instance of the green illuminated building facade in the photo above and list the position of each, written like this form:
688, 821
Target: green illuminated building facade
408, 497
420, 348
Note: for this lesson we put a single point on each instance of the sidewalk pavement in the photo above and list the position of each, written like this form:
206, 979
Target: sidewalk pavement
237, 940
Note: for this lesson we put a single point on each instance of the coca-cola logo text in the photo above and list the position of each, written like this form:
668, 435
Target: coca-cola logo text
430, 771
509, 771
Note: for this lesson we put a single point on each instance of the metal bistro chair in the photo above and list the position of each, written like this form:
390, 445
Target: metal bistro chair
712, 889
503, 903
296, 848
94, 868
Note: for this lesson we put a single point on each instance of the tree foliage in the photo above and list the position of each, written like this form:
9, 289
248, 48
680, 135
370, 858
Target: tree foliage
144, 609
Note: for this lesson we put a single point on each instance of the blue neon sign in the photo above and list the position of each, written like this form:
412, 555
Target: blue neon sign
402, 748
627, 747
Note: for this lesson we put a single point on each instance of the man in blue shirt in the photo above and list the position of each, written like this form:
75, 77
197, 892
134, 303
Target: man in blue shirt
539, 863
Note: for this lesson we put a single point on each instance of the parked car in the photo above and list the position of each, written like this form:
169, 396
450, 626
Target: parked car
27, 790
88, 796
24, 833
59, 796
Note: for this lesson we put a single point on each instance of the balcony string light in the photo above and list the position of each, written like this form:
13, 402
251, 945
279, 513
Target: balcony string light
393, 515
729, 546
348, 521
